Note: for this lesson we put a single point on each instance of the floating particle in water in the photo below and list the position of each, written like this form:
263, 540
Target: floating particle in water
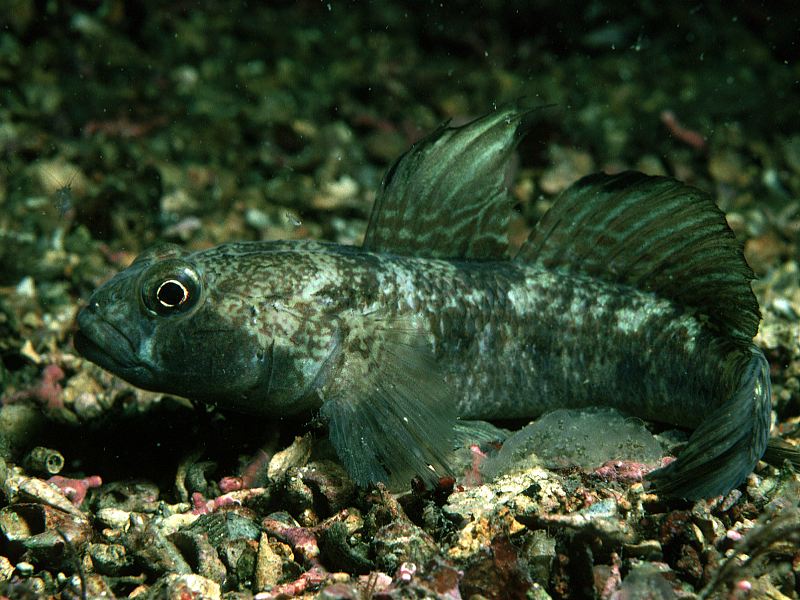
292, 219
62, 198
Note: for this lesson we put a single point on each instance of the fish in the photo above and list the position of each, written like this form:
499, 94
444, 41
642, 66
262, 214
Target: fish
631, 292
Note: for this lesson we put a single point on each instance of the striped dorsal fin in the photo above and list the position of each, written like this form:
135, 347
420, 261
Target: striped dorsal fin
654, 234
446, 196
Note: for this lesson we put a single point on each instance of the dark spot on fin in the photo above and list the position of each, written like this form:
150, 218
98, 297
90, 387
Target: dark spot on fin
446, 197
723, 451
655, 234
390, 415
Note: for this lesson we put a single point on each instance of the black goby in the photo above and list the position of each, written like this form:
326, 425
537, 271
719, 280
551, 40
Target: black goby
631, 293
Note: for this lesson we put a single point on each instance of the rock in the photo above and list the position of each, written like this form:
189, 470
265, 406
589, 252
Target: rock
179, 587
269, 566
296, 456
400, 542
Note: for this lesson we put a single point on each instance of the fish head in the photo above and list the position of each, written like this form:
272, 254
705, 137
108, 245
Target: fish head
153, 325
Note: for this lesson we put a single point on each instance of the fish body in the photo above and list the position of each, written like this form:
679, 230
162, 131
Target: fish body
630, 293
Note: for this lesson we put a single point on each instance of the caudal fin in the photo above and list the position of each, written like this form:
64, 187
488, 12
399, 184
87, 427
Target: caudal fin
727, 445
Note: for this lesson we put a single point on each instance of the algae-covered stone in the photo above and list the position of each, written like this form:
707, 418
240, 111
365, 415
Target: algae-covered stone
400, 542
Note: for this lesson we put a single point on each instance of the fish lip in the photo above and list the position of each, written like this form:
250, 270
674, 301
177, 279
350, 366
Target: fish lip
117, 354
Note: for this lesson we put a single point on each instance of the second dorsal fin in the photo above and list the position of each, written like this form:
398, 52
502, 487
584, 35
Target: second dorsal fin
445, 197
654, 234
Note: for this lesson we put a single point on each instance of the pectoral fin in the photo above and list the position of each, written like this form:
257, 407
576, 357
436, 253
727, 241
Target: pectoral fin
390, 415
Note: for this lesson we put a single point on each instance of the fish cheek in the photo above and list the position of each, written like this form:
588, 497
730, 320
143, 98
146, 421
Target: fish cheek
205, 357
289, 383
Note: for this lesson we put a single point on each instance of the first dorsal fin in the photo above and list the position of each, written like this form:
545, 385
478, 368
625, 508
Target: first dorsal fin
655, 234
445, 197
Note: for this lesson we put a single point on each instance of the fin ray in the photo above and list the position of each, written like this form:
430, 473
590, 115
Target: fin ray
654, 234
390, 415
724, 450
446, 196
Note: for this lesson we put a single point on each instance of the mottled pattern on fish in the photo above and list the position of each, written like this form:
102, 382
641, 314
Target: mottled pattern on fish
631, 293
531, 321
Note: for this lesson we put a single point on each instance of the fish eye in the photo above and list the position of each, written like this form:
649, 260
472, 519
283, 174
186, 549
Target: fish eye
172, 293
170, 287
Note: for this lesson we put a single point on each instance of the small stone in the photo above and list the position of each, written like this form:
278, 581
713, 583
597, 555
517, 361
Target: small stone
646, 581
6, 569
400, 542
269, 565
201, 554
296, 455
646, 549
385, 145
540, 551
728, 167
26, 288
338, 194
180, 587
791, 148
178, 202
113, 518
109, 559
257, 218
332, 481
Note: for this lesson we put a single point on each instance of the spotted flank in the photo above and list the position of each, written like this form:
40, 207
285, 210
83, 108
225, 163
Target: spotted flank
631, 293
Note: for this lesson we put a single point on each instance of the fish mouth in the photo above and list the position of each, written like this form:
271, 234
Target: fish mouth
105, 345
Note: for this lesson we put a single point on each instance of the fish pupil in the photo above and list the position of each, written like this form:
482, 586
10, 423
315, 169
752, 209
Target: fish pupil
172, 293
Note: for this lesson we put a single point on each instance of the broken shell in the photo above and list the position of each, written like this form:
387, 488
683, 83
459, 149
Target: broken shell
20, 488
91, 585
239, 556
224, 526
44, 461
39, 532
152, 549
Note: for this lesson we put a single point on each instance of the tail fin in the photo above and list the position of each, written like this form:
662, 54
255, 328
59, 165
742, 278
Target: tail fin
728, 444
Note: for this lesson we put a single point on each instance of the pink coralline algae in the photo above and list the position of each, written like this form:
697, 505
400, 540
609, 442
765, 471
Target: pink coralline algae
48, 391
75, 489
